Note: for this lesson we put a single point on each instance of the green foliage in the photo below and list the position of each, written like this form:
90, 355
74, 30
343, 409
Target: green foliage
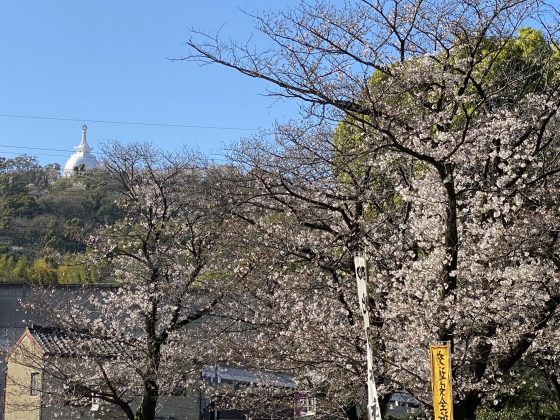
7, 266
534, 408
73, 270
498, 67
76, 269
528, 58
350, 153
354, 146
506, 69
46, 219
21, 269
535, 400
19, 179
530, 412
41, 272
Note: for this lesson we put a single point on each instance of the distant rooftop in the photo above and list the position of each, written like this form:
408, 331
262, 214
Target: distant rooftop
227, 374
54, 341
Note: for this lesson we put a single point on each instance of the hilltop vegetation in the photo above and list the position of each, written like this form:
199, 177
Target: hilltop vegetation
45, 221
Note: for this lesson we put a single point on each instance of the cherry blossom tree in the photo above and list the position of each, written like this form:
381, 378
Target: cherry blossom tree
174, 262
429, 142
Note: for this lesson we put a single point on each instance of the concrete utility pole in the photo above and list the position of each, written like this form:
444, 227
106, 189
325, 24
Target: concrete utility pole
360, 264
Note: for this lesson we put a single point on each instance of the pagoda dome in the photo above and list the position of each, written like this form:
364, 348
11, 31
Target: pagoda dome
82, 159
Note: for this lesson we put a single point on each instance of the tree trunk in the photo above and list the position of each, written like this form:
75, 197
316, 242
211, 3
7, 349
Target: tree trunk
466, 408
147, 408
351, 412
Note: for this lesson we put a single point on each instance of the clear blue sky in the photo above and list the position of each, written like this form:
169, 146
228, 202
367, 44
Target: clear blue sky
109, 60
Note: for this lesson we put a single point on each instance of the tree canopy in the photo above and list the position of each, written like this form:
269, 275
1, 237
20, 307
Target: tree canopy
429, 143
45, 221
445, 173
174, 262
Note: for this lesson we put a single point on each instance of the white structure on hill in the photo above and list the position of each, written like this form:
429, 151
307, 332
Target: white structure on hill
82, 159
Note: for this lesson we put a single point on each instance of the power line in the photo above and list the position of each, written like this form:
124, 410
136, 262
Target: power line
207, 127
37, 148
34, 154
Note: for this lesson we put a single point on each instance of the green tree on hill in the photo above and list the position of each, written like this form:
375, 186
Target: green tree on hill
44, 218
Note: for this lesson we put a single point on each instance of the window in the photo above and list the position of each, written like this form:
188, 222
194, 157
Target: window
34, 388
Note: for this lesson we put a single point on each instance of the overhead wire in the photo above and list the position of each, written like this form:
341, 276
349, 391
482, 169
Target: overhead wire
210, 127
34, 154
153, 124
37, 148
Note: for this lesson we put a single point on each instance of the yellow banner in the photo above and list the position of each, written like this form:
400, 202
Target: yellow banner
440, 368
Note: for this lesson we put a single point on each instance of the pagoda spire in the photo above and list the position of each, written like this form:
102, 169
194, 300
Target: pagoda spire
83, 147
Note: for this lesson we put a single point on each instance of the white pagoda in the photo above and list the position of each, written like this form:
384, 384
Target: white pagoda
82, 159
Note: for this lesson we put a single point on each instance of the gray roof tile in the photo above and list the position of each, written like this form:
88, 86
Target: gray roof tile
54, 341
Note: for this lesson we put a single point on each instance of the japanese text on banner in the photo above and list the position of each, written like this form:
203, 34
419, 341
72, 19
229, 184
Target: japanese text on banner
440, 366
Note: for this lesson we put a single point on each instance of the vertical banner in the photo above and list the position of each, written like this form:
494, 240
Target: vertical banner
440, 372
374, 413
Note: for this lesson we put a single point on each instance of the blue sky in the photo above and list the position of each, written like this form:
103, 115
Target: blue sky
109, 60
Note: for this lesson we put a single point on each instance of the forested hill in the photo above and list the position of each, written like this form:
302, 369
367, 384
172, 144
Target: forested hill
45, 220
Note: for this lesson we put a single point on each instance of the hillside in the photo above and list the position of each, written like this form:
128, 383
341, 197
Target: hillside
45, 221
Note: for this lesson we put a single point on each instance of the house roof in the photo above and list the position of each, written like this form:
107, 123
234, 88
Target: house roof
228, 374
54, 341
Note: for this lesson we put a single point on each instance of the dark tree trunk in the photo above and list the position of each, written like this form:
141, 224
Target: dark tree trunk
147, 407
384, 404
351, 412
466, 408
